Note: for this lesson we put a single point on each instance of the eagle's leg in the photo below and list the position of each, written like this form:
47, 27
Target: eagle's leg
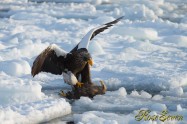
79, 84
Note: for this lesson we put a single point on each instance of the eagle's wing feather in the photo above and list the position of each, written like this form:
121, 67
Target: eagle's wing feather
50, 60
92, 33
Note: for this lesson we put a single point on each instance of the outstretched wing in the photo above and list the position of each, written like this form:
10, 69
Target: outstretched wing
50, 60
85, 73
92, 33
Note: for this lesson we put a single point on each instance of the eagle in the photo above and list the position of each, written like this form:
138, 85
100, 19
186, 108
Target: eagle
74, 66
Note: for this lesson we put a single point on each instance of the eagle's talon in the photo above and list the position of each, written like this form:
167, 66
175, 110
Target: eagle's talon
101, 81
62, 94
79, 84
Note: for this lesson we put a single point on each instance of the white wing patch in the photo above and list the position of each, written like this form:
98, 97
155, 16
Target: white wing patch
69, 78
58, 50
84, 43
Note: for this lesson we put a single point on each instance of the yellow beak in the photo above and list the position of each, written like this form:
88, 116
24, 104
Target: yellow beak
90, 62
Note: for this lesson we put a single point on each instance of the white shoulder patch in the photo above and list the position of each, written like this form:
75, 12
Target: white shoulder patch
58, 50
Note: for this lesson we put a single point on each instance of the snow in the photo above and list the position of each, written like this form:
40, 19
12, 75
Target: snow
15, 67
158, 107
16, 91
178, 91
98, 117
179, 108
35, 112
144, 94
96, 48
121, 92
142, 59
180, 41
138, 33
157, 97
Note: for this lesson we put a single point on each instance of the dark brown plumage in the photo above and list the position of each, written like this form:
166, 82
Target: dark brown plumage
77, 60
48, 61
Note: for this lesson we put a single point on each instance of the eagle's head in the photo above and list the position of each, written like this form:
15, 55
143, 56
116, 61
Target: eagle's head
85, 56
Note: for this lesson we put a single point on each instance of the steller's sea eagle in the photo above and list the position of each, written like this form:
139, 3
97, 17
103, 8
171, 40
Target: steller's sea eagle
73, 64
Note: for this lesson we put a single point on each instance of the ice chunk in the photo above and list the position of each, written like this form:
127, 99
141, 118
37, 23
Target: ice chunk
178, 91
15, 67
1, 46
17, 90
93, 117
142, 94
178, 81
113, 83
179, 108
102, 20
120, 93
30, 16
135, 93
138, 33
35, 112
26, 48
145, 94
95, 48
96, 2
184, 20
158, 107
157, 97
180, 40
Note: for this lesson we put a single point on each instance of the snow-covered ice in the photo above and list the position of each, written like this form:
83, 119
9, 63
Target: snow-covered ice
142, 59
35, 112
16, 90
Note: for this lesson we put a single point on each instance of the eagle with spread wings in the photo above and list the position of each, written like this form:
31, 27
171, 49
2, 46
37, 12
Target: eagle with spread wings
73, 65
